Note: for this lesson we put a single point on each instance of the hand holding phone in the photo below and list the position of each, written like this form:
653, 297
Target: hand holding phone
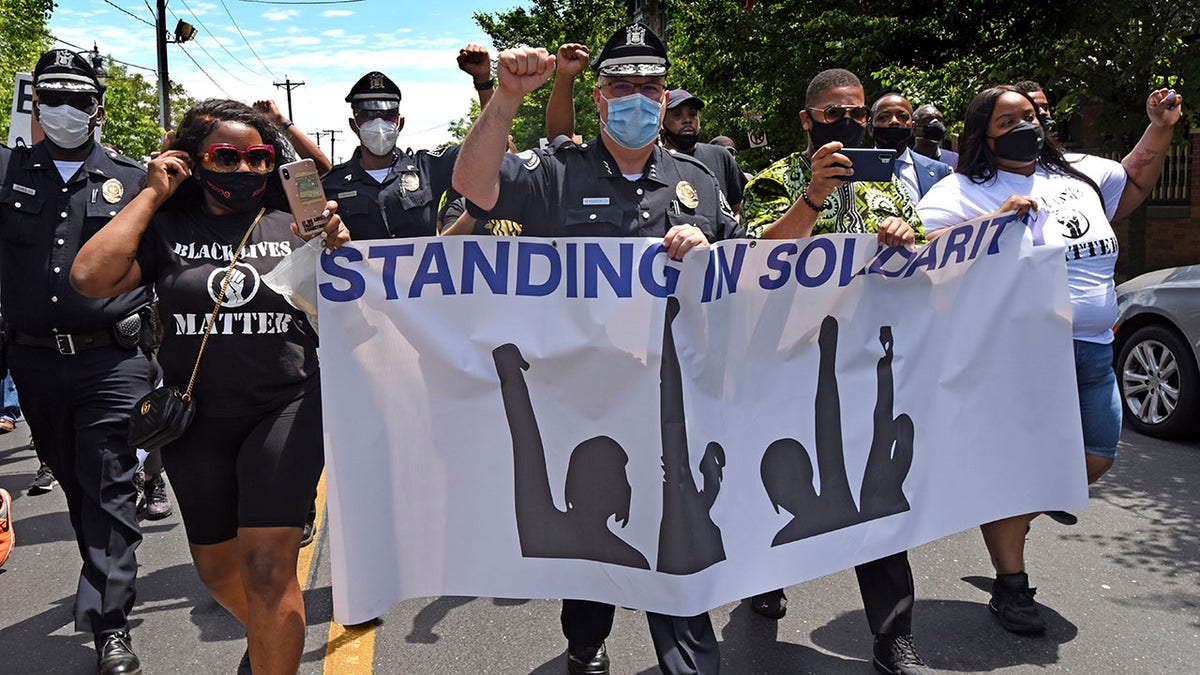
306, 197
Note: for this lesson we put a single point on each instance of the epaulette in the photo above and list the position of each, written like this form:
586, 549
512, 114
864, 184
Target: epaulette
122, 159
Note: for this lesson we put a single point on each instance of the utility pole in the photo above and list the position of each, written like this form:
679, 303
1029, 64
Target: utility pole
332, 139
164, 82
184, 31
289, 85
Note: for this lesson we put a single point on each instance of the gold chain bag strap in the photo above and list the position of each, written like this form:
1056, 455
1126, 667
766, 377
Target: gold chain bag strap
164, 414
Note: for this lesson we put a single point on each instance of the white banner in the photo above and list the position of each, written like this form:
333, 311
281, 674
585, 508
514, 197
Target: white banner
582, 418
22, 128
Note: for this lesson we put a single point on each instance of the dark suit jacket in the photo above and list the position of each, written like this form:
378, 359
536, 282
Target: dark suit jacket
929, 171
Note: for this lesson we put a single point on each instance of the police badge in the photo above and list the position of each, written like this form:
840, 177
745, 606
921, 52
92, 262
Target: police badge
687, 194
410, 180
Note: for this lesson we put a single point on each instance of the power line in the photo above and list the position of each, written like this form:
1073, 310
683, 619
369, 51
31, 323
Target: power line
46, 33
239, 32
210, 77
214, 37
135, 16
206, 52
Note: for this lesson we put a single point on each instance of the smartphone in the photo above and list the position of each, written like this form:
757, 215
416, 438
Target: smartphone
306, 197
870, 164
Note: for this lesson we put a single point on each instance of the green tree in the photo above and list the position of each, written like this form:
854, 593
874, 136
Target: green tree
131, 111
459, 127
23, 37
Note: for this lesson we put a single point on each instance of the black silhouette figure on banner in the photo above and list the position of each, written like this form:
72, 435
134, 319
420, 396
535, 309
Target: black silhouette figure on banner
787, 471
688, 539
891, 446
596, 487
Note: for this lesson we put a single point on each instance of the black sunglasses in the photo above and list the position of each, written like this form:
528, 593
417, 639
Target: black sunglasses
833, 113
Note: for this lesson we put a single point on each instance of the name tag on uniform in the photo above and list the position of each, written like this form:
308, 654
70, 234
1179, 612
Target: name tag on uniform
347, 195
595, 201
23, 189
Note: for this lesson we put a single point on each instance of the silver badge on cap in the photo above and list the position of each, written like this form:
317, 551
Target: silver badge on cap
377, 80
635, 35
63, 58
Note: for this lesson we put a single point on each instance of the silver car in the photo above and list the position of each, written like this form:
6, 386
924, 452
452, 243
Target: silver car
1157, 348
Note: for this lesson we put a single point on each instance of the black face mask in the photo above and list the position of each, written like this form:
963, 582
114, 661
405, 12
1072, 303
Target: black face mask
684, 142
846, 131
239, 191
892, 138
1022, 143
934, 131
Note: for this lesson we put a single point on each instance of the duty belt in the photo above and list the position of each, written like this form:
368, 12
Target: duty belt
64, 343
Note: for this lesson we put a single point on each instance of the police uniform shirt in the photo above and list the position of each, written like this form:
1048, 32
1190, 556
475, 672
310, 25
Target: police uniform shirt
579, 191
411, 194
258, 338
357, 195
43, 223
722, 164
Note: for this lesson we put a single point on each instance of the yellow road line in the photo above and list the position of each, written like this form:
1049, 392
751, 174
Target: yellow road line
349, 650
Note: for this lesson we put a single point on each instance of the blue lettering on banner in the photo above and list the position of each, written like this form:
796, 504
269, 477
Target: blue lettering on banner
526, 250
543, 268
356, 284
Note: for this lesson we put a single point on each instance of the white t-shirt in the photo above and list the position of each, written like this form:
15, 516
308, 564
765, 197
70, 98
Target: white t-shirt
378, 174
67, 169
1075, 213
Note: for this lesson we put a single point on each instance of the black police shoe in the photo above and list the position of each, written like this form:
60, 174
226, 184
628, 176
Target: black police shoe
1063, 517
244, 664
897, 655
588, 661
114, 655
771, 605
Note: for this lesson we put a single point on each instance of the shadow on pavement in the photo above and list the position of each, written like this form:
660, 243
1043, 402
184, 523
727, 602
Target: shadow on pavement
953, 635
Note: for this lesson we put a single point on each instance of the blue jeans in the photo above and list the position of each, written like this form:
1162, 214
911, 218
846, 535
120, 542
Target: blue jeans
1099, 400
12, 406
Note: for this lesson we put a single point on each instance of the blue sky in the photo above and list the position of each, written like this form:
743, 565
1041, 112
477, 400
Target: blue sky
328, 47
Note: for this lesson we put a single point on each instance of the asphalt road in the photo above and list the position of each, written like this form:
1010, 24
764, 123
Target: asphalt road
1120, 591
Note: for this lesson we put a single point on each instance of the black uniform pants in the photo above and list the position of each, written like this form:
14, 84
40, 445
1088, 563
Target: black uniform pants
685, 645
887, 592
78, 407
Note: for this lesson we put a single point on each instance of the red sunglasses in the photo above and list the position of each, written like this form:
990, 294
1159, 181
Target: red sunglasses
226, 158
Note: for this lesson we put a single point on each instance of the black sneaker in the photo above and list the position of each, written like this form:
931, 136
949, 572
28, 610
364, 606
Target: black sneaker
771, 605
591, 660
157, 503
897, 655
43, 482
1063, 517
139, 487
1012, 603
114, 655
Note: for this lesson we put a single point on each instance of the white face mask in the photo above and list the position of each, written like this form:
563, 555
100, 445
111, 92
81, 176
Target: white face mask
65, 126
379, 136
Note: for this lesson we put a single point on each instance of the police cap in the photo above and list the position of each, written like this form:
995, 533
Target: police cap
635, 51
64, 70
374, 91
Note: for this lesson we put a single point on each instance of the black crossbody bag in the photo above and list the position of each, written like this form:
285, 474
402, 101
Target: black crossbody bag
164, 414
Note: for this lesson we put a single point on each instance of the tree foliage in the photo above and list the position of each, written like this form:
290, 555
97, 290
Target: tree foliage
1106, 55
131, 111
23, 37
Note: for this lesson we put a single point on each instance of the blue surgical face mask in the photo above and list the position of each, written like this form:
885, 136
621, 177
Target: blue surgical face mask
633, 121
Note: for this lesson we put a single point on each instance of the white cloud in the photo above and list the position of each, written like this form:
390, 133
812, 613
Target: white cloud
336, 32
331, 13
280, 14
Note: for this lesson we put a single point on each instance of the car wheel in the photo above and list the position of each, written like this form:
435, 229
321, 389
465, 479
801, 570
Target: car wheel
1160, 384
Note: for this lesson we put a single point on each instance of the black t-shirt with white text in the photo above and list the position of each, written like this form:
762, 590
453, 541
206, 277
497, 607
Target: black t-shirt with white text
262, 351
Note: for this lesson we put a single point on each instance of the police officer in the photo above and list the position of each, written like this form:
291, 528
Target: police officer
381, 191
620, 184
76, 360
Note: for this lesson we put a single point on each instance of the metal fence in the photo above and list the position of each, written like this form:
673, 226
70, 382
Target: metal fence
1174, 185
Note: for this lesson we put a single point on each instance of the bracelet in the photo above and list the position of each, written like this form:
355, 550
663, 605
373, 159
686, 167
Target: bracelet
814, 207
485, 85
287, 125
